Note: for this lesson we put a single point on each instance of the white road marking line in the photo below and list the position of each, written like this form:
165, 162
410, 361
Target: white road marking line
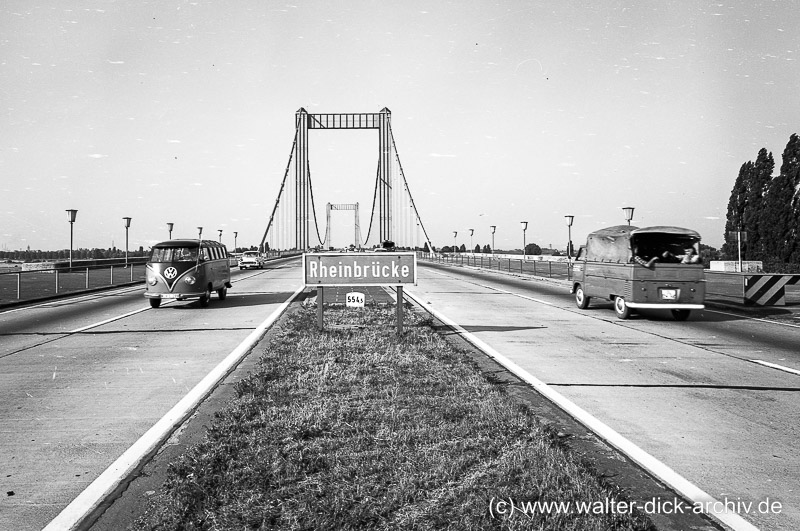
518, 295
112, 477
79, 298
752, 318
658, 469
776, 366
109, 320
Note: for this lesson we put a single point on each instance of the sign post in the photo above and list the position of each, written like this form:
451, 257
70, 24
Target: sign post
741, 236
360, 269
320, 301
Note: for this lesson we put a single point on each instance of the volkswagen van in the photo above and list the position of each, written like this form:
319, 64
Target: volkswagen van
638, 268
187, 269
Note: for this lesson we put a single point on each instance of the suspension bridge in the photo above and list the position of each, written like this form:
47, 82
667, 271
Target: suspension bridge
293, 223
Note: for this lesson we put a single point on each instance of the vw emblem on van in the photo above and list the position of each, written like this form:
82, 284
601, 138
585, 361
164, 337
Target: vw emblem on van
170, 273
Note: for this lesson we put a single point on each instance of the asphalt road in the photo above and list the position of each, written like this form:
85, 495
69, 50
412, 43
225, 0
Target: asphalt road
81, 379
688, 393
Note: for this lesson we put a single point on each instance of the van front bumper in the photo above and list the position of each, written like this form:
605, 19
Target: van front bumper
174, 296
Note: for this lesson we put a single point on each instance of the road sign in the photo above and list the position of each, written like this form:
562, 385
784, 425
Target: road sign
359, 269
321, 270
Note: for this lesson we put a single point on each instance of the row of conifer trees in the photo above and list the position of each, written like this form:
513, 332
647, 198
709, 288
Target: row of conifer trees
766, 209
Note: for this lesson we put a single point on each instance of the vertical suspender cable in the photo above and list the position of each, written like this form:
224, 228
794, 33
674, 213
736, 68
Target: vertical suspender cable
280, 192
413, 204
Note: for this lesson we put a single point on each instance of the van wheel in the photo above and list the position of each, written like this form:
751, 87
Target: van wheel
222, 293
205, 298
622, 310
155, 303
681, 315
581, 300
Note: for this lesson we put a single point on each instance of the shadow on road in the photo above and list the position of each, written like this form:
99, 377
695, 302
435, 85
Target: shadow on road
234, 301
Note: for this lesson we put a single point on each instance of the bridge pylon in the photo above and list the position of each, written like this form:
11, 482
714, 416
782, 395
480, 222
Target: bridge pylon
392, 207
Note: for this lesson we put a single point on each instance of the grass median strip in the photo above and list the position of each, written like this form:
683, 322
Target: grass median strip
355, 428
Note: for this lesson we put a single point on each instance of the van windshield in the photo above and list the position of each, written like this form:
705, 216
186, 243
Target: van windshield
173, 254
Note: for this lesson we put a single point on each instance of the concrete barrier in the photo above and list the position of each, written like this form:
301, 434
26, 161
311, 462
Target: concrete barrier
732, 266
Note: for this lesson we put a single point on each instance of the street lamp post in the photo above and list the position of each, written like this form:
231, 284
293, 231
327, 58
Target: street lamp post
569, 245
628, 214
235, 235
455, 233
71, 213
169, 228
199, 233
524, 228
127, 221
494, 228
471, 232
220, 235
569, 235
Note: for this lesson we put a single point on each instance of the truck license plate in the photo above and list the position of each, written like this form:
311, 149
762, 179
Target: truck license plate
169, 296
669, 294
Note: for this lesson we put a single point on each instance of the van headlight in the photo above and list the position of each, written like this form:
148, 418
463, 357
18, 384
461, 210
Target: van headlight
152, 281
190, 280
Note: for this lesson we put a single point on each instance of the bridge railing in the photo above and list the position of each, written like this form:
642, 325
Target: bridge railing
529, 265
57, 279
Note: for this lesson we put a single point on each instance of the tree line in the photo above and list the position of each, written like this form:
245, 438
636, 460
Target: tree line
530, 249
765, 210
77, 254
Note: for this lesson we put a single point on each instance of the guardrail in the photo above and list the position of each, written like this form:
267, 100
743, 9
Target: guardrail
56, 279
17, 286
524, 266
741, 289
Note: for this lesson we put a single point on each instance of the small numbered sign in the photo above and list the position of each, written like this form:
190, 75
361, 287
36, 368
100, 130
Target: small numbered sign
354, 299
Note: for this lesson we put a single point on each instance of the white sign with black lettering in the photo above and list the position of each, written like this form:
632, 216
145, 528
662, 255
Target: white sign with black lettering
354, 299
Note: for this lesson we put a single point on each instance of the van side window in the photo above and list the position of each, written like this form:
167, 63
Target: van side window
204, 253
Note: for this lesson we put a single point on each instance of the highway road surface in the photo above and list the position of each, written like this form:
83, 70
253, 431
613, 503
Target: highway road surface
82, 379
714, 398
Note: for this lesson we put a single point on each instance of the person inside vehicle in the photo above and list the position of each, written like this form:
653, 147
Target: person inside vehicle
641, 258
689, 256
668, 257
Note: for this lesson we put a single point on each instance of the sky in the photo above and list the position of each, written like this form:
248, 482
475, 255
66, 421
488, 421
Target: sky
503, 111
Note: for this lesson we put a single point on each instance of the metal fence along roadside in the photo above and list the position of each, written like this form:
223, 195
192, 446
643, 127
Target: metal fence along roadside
18, 286
529, 266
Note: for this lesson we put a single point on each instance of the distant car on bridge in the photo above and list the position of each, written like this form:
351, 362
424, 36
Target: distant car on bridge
251, 259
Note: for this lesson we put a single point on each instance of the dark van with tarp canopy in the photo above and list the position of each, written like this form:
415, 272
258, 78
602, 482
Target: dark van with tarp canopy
187, 269
650, 267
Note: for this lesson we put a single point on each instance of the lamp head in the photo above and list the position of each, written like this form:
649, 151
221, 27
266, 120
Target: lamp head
628, 213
